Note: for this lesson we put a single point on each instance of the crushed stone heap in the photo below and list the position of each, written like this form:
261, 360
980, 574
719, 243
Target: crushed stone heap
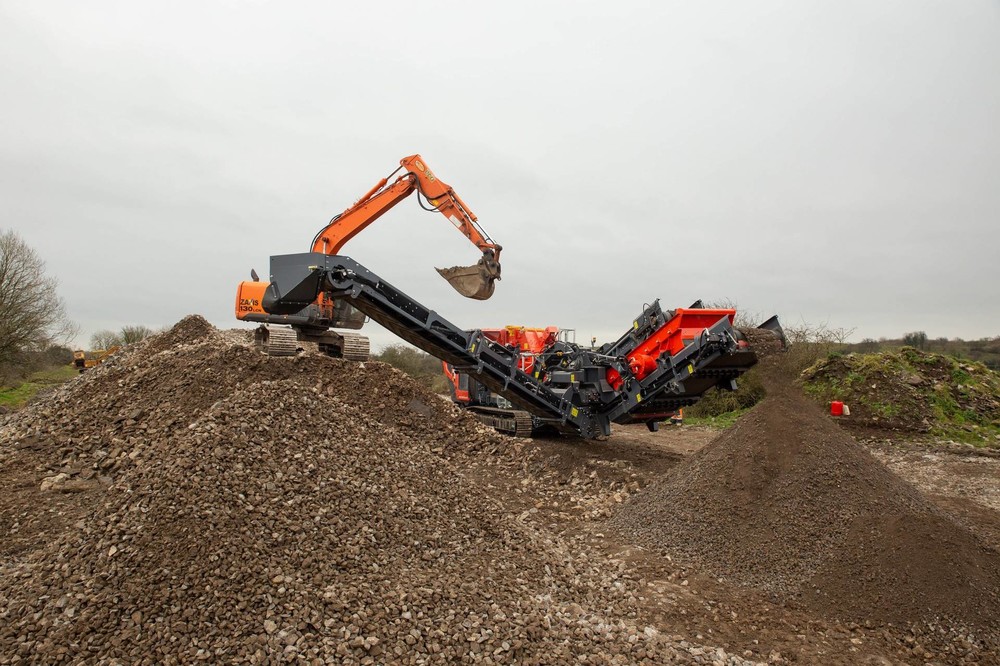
232, 508
787, 502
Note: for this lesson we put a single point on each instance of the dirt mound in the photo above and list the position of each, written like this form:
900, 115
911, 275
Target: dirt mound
912, 391
787, 502
231, 507
190, 329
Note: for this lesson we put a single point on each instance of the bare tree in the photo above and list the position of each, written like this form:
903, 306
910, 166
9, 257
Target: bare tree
743, 319
129, 334
135, 333
105, 340
819, 334
916, 339
32, 316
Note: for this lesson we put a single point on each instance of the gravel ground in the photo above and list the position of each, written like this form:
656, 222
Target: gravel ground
192, 500
787, 502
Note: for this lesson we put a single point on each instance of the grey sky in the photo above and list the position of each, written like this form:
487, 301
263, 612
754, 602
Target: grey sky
829, 161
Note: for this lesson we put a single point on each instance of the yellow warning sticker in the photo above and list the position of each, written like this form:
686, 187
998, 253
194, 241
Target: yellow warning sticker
472, 348
638, 397
635, 324
574, 412
572, 378
690, 368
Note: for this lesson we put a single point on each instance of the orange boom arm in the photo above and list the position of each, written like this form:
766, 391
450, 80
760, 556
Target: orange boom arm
384, 196
476, 281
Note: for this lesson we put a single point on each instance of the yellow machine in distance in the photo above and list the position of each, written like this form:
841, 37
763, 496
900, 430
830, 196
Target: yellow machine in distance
84, 360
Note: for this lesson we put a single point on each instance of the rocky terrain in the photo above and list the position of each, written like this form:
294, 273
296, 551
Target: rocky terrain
193, 500
228, 507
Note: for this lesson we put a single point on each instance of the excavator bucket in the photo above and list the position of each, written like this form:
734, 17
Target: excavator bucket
474, 281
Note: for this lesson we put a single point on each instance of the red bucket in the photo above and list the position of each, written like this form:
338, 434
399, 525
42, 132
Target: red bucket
837, 408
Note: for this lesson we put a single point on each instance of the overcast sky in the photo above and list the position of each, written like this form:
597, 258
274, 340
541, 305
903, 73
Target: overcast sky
831, 162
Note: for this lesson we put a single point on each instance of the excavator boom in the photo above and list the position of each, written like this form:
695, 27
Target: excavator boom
476, 281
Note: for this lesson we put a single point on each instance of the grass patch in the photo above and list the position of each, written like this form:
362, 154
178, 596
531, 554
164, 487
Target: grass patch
15, 397
885, 410
720, 421
717, 402
820, 389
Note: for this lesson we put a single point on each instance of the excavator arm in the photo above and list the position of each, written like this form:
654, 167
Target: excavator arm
311, 319
471, 281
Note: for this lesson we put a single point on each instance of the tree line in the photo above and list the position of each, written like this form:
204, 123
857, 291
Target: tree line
34, 326
33, 321
127, 335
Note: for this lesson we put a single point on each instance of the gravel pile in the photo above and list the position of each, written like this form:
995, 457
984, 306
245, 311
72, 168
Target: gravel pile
241, 509
786, 501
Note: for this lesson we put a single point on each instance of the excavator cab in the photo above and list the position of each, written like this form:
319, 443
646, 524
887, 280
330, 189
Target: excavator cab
476, 281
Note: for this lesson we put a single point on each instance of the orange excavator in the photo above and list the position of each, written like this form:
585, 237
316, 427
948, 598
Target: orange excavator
312, 323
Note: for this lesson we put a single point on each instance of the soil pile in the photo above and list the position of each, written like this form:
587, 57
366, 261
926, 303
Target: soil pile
912, 391
240, 509
787, 502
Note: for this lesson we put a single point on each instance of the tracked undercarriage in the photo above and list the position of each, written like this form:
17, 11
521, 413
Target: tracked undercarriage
513, 422
275, 340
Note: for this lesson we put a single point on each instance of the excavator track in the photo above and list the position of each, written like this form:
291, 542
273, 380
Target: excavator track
356, 347
523, 424
514, 422
277, 340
